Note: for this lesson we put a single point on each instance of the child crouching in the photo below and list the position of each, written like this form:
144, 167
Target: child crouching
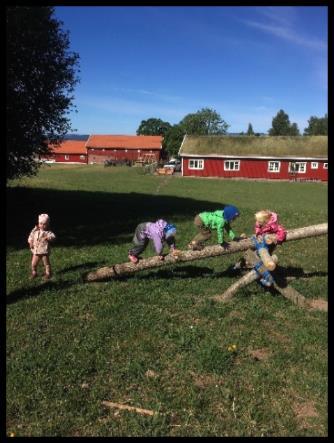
160, 232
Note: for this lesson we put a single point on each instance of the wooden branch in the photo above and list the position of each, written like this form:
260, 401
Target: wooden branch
292, 294
122, 269
232, 290
141, 411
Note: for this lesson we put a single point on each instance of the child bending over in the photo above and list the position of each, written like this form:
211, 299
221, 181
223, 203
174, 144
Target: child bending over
219, 220
159, 232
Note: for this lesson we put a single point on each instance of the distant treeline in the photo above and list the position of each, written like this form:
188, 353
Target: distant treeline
76, 137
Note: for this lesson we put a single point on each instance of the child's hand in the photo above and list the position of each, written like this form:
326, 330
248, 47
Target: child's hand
242, 236
176, 252
161, 257
270, 239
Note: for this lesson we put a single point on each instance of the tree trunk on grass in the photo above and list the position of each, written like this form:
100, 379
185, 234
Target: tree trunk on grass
287, 291
122, 269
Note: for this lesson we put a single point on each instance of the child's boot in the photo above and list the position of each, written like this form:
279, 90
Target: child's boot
47, 275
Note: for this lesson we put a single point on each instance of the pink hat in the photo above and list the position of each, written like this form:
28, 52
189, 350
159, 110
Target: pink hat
43, 218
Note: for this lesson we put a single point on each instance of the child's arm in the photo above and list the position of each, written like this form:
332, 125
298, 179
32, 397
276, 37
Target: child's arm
31, 237
230, 231
158, 246
280, 234
50, 236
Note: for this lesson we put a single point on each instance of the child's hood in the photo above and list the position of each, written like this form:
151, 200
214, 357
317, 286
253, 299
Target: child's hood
273, 218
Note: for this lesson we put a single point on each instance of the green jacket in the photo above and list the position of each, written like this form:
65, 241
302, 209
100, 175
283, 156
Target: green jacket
215, 220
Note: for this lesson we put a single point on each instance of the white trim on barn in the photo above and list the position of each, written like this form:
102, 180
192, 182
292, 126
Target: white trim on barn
250, 157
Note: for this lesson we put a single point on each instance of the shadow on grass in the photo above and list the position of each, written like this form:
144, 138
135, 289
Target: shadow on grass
80, 218
283, 273
178, 273
24, 293
83, 267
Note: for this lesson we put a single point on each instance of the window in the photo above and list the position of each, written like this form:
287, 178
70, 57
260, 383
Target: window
231, 165
314, 165
67, 157
274, 166
325, 165
82, 157
297, 167
196, 164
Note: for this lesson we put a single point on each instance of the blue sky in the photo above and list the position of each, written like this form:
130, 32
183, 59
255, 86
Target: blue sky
246, 63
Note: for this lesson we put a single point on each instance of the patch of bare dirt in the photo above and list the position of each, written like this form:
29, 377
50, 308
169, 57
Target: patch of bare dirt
261, 354
318, 304
304, 411
204, 381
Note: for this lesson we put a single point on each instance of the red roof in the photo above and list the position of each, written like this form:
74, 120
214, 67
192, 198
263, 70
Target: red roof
70, 147
125, 141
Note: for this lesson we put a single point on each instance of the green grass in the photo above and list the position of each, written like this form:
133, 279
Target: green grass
156, 340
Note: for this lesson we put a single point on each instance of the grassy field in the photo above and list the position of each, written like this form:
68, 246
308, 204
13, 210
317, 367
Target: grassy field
156, 340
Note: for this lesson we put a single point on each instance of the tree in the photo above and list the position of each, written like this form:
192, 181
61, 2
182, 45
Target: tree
317, 126
204, 122
41, 75
281, 125
250, 129
173, 139
294, 129
153, 126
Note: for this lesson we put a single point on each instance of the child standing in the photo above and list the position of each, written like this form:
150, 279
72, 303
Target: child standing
159, 232
38, 240
220, 220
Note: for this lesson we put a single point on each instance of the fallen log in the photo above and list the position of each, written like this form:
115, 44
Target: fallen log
287, 291
122, 269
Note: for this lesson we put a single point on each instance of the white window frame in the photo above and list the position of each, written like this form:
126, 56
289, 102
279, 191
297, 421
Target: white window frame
236, 165
277, 167
325, 165
196, 164
301, 165
66, 157
314, 165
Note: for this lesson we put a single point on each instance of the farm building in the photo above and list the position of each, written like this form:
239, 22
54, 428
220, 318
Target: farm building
69, 151
101, 148
279, 157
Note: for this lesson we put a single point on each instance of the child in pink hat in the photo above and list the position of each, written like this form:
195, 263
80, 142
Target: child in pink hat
39, 241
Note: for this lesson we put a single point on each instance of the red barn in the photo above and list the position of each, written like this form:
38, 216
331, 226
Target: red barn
279, 157
69, 151
101, 148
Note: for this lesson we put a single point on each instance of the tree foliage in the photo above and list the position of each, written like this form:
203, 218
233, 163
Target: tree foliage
317, 126
173, 139
204, 122
250, 130
153, 126
281, 125
41, 75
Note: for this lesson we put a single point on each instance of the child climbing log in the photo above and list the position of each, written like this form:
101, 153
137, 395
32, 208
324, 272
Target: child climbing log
118, 270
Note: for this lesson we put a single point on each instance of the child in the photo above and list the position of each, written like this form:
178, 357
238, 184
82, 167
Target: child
266, 223
38, 240
159, 232
268, 233
208, 221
